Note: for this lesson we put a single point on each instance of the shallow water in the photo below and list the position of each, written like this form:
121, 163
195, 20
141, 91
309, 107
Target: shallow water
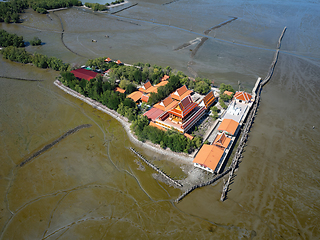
88, 185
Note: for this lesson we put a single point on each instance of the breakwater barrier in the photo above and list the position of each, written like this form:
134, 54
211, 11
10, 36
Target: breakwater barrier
244, 137
220, 25
21, 79
48, 146
156, 168
125, 8
202, 184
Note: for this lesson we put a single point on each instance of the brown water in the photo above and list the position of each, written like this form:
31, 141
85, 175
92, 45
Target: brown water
88, 186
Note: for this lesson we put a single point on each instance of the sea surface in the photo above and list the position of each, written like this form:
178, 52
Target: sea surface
89, 186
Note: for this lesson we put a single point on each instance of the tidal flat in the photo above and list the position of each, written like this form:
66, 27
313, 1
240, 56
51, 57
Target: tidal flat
88, 186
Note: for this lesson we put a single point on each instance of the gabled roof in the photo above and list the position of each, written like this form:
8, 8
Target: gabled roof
147, 85
181, 93
209, 156
243, 96
120, 90
153, 113
84, 73
164, 78
145, 98
148, 88
118, 62
108, 59
208, 99
184, 107
135, 96
222, 140
166, 104
228, 125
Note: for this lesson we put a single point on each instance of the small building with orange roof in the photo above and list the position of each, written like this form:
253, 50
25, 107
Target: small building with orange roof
145, 98
135, 96
162, 83
242, 97
119, 62
120, 90
148, 88
209, 158
108, 60
222, 141
208, 100
165, 78
188, 136
181, 93
228, 93
229, 126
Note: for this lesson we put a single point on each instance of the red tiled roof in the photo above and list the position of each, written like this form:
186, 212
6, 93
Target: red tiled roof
242, 96
166, 104
84, 73
209, 156
228, 125
153, 113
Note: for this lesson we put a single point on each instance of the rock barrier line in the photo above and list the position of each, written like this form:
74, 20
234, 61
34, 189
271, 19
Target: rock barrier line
45, 148
202, 185
251, 117
21, 79
156, 168
125, 8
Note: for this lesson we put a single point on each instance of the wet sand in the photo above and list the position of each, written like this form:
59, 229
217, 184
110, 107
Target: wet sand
89, 186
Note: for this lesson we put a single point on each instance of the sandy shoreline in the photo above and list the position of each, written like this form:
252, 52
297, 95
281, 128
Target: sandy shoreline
126, 125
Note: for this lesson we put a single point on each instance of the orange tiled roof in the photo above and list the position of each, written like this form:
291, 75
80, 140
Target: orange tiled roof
184, 107
145, 98
209, 156
188, 136
120, 90
118, 62
166, 104
135, 96
163, 83
242, 96
181, 93
228, 93
228, 125
164, 78
208, 99
222, 140
108, 59
157, 126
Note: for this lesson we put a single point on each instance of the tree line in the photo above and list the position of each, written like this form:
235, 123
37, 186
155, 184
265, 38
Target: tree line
9, 11
42, 61
96, 6
8, 39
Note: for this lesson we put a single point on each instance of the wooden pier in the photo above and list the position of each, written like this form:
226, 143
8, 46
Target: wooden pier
244, 137
156, 168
